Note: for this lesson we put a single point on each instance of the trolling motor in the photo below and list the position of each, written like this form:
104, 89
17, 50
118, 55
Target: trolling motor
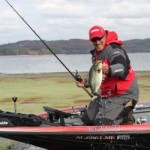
14, 119
14, 99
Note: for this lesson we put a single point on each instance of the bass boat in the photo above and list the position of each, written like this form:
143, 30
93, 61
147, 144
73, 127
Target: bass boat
62, 129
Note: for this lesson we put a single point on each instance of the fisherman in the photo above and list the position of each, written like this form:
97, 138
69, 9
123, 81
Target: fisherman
119, 89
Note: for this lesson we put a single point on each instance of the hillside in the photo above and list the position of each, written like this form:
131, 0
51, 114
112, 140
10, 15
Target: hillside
72, 46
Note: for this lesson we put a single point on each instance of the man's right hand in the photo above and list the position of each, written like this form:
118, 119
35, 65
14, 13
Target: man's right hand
80, 84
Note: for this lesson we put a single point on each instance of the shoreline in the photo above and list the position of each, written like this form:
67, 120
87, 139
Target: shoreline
57, 73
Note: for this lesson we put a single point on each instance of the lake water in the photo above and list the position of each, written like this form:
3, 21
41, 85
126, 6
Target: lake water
48, 63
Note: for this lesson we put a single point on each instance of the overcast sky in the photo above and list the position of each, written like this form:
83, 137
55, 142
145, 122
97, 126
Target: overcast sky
69, 19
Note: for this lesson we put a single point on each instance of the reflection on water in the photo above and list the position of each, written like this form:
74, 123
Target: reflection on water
48, 63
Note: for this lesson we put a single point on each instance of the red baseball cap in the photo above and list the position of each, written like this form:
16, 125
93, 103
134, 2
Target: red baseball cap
96, 31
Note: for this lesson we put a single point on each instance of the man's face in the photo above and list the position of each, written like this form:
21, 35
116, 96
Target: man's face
99, 43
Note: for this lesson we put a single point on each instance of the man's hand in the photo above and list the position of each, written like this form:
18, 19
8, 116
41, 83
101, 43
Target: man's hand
80, 84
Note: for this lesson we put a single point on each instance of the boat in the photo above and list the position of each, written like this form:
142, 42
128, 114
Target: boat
62, 129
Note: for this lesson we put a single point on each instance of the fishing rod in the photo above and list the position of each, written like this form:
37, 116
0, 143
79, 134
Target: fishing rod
77, 78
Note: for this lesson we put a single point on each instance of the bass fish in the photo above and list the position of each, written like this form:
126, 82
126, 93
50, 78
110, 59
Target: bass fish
95, 78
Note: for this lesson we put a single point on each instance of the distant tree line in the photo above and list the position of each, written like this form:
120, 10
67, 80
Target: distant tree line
72, 46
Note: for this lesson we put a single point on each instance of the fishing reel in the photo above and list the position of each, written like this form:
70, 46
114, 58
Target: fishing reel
78, 77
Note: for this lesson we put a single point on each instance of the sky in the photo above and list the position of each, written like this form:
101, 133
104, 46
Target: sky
72, 19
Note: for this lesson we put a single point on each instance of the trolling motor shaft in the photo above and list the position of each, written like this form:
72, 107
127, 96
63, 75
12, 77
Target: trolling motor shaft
14, 99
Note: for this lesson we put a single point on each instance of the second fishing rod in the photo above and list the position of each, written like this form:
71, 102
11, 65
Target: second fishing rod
76, 77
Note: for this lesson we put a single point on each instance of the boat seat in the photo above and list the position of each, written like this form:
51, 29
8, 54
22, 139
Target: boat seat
55, 114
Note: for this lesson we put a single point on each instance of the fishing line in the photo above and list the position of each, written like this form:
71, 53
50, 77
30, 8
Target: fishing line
47, 46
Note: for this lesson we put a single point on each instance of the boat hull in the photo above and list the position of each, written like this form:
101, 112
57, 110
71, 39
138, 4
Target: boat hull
82, 137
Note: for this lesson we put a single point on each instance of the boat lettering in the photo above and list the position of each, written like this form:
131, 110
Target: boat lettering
123, 137
96, 137
105, 128
3, 123
108, 137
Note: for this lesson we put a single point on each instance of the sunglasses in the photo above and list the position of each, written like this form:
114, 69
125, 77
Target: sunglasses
96, 39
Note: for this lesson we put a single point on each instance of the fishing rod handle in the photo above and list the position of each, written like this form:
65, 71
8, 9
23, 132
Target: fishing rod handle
86, 90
